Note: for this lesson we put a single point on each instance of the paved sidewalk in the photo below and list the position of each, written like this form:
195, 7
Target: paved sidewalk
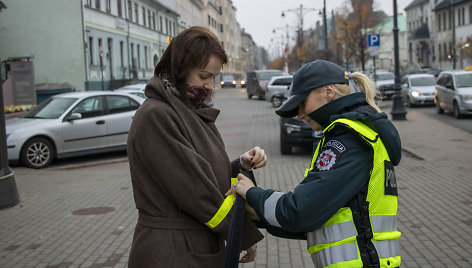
84, 215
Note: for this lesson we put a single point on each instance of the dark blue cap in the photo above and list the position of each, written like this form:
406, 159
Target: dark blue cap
312, 75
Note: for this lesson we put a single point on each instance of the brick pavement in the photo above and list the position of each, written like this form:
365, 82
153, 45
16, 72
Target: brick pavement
435, 203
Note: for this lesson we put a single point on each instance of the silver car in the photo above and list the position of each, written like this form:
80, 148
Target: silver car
454, 93
71, 124
278, 86
418, 89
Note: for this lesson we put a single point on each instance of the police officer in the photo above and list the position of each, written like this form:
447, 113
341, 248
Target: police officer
346, 205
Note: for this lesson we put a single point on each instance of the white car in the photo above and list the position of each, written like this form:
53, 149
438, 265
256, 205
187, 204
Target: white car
385, 83
71, 124
454, 93
418, 89
137, 92
277, 89
139, 86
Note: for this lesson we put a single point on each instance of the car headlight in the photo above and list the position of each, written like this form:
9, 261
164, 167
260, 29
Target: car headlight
222, 82
243, 82
415, 94
292, 128
234, 82
466, 97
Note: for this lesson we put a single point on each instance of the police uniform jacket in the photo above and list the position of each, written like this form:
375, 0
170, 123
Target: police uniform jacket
333, 183
180, 173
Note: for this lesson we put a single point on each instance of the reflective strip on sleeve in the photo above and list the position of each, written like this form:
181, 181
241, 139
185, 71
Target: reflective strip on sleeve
269, 208
223, 210
384, 223
332, 233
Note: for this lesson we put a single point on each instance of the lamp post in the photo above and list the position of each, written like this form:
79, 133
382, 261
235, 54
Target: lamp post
300, 13
325, 29
286, 48
8, 192
398, 110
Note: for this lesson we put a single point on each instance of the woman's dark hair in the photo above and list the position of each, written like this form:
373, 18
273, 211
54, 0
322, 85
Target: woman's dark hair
190, 49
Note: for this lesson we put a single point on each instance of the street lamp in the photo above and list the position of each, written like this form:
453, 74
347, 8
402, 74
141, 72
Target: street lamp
398, 110
299, 11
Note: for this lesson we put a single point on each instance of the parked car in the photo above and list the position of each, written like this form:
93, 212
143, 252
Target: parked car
137, 92
243, 82
257, 82
71, 124
278, 87
418, 89
139, 86
454, 93
228, 81
385, 83
294, 132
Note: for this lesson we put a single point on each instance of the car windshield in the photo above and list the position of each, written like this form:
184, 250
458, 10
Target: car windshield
228, 77
464, 80
423, 81
51, 108
386, 76
267, 75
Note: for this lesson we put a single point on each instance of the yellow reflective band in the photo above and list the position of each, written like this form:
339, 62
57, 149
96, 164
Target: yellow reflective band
223, 210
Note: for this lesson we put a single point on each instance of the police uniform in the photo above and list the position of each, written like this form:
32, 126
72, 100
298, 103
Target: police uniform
346, 205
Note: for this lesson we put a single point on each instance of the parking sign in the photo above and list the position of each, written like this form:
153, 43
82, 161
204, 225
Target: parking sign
373, 40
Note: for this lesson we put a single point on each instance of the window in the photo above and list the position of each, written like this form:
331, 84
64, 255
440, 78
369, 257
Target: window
149, 19
439, 22
136, 11
209, 20
133, 62
459, 17
119, 7
100, 48
107, 6
160, 23
91, 50
154, 21
144, 16
444, 21
221, 27
470, 14
88, 3
90, 107
139, 55
463, 16
167, 26
145, 57
450, 19
120, 104
97, 4
122, 54
439, 52
130, 11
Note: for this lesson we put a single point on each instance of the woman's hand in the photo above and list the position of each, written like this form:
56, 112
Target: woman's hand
250, 254
254, 158
241, 186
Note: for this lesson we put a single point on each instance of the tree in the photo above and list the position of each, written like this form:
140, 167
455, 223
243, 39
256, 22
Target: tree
466, 48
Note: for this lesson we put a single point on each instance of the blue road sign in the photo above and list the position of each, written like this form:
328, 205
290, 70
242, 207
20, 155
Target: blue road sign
373, 40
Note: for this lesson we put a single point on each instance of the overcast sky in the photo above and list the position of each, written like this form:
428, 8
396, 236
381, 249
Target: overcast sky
260, 17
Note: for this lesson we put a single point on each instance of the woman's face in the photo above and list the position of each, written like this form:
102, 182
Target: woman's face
317, 98
204, 77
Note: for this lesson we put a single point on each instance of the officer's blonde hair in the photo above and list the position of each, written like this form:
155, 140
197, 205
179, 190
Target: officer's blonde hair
364, 84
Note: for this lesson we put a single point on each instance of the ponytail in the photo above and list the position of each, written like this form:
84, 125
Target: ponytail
363, 84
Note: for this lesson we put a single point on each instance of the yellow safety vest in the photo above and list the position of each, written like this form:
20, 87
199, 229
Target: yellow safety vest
336, 243
223, 210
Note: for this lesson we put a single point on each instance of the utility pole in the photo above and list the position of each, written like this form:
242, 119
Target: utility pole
325, 29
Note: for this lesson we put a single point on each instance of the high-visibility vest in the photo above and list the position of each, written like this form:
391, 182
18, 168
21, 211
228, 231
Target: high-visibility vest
223, 210
359, 235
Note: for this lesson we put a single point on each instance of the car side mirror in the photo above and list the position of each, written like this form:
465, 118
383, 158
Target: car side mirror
74, 116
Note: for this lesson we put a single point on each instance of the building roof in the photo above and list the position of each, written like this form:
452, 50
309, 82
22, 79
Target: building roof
447, 3
387, 25
415, 3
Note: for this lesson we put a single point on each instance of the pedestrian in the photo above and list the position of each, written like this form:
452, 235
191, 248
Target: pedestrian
179, 168
346, 205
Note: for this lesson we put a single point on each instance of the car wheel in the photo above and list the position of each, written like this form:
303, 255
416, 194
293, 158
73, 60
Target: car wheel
439, 110
276, 101
457, 112
37, 153
249, 96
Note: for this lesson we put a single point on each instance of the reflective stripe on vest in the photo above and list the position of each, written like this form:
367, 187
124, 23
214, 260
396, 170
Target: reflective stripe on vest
223, 210
335, 243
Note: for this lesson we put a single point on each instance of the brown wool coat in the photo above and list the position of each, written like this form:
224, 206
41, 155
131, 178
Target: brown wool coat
180, 172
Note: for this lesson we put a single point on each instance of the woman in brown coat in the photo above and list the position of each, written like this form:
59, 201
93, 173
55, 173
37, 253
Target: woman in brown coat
180, 170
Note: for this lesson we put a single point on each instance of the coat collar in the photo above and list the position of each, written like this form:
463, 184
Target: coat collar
340, 105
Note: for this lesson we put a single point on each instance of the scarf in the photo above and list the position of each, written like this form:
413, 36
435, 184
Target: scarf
196, 95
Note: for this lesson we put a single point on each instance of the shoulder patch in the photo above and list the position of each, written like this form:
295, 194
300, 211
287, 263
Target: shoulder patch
330, 154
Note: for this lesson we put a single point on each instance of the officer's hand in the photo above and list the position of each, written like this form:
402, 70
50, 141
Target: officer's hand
241, 186
250, 254
255, 158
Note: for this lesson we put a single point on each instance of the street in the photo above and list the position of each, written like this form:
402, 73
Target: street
80, 212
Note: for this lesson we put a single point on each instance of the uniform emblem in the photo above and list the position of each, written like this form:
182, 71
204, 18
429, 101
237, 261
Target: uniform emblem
326, 160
